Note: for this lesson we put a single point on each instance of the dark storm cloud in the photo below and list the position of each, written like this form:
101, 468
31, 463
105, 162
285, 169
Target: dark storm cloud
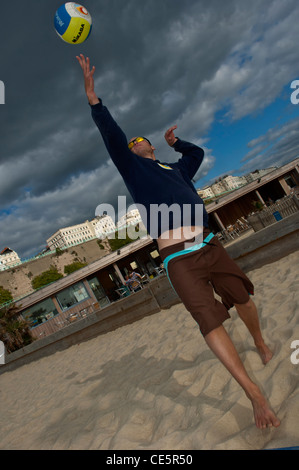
158, 63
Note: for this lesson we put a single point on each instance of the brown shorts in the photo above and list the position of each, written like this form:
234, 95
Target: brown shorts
196, 274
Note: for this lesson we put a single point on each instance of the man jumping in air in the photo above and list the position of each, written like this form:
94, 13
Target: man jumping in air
200, 269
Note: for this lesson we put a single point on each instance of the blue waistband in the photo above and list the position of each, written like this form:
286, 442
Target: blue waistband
188, 250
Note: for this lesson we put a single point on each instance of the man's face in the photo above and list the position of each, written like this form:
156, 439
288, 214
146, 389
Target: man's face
142, 147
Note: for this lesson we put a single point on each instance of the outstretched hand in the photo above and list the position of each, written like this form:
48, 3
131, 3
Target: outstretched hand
88, 74
170, 137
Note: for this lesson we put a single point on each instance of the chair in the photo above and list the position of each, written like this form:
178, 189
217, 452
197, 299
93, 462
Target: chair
83, 312
72, 317
144, 279
159, 271
62, 323
122, 292
104, 302
135, 286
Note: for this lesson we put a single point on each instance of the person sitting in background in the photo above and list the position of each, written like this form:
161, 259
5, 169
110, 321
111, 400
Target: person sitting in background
133, 280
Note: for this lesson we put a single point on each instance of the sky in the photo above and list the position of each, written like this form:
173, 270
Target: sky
220, 70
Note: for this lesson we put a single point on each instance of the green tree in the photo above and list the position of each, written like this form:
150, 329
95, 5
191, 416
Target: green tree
99, 242
70, 268
47, 277
5, 296
14, 331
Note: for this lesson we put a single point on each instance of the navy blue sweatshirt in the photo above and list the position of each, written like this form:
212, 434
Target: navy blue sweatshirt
159, 190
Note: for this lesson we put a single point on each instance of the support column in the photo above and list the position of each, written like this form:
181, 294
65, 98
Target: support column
119, 273
285, 186
296, 171
218, 220
260, 197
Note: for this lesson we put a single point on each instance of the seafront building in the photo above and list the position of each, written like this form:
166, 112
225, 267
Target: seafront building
8, 258
103, 226
249, 177
229, 183
91, 288
274, 185
99, 227
69, 236
130, 218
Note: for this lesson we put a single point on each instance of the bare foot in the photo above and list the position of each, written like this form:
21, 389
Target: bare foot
265, 353
263, 415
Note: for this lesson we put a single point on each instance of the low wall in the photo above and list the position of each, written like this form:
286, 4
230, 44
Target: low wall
260, 248
267, 245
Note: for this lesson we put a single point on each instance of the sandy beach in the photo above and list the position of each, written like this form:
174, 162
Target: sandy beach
155, 384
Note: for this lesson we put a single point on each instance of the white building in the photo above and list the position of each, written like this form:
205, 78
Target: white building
130, 218
8, 259
205, 192
218, 188
73, 235
103, 226
258, 174
233, 182
229, 183
99, 227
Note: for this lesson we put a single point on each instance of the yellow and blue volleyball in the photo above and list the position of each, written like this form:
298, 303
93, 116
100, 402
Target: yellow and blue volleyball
73, 23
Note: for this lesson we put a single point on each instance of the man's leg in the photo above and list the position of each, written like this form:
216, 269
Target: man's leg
222, 346
248, 313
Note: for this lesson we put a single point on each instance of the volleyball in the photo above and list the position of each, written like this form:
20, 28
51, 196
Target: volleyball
72, 23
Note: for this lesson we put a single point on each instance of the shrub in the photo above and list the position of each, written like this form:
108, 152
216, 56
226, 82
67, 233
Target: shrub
99, 242
47, 277
70, 268
5, 296
59, 251
117, 243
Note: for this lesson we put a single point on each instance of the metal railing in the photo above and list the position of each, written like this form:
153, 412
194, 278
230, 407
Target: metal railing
279, 210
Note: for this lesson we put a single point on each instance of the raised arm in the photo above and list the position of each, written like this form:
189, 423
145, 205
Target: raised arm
170, 137
88, 74
114, 138
192, 155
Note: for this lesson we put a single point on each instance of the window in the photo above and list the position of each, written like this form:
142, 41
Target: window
154, 254
98, 291
40, 312
72, 296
